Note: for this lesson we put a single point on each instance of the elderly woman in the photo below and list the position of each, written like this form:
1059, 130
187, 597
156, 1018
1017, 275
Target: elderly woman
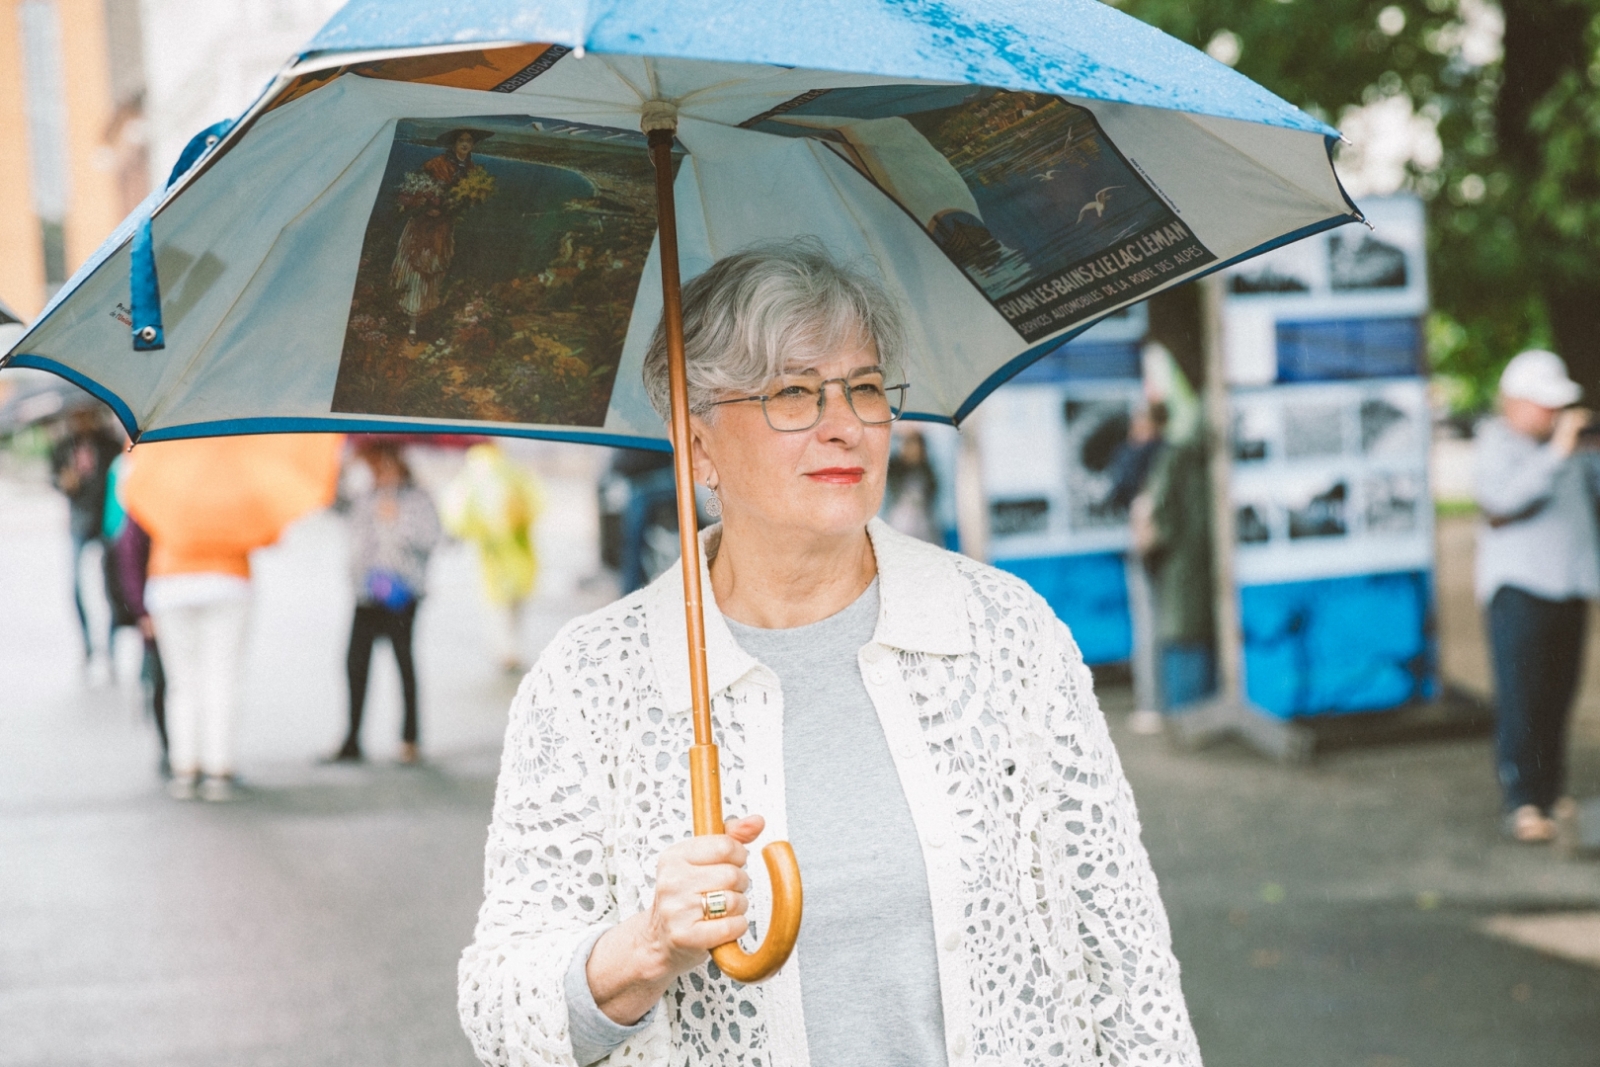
918, 725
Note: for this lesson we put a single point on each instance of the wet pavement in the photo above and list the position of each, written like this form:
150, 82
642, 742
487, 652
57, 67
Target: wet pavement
1325, 915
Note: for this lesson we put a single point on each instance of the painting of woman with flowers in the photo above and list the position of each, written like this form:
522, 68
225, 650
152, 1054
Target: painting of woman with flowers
431, 199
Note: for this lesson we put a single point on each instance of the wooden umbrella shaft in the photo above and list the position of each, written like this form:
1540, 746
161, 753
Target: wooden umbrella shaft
705, 783
703, 764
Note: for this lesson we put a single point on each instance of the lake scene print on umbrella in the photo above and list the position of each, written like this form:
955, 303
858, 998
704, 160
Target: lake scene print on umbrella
498, 272
1023, 192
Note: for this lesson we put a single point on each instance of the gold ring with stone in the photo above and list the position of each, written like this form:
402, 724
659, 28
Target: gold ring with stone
714, 905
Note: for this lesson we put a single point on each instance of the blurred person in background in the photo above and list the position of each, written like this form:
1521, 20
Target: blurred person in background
651, 501
393, 530
127, 570
207, 504
1538, 565
913, 490
1129, 471
198, 603
493, 504
1171, 529
79, 463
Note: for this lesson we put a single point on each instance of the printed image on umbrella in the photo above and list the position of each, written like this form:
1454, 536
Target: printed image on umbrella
471, 220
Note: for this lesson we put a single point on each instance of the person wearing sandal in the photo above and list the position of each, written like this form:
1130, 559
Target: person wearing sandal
1538, 566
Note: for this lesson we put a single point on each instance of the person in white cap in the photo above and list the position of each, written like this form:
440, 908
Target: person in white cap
1538, 565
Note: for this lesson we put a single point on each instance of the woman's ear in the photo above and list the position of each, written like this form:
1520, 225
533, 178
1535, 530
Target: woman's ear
700, 452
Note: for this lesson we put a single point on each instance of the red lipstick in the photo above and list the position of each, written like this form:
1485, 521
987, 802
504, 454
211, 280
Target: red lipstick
838, 475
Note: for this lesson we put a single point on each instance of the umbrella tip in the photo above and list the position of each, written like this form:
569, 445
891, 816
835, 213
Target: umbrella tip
658, 115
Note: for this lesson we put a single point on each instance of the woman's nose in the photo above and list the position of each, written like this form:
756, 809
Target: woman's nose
839, 421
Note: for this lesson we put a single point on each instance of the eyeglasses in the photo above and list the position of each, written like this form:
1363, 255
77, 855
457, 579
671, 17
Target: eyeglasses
797, 405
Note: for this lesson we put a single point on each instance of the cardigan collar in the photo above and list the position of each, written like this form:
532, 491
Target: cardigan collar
920, 609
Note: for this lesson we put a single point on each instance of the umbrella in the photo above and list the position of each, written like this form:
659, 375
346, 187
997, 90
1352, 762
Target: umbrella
11, 325
466, 217
222, 497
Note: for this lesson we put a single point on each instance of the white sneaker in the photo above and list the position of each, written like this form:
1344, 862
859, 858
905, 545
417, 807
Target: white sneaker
181, 787
217, 788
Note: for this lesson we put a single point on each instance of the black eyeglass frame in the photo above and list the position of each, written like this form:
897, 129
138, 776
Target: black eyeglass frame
896, 409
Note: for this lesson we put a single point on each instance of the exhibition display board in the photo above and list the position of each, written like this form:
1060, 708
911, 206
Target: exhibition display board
1329, 482
1047, 441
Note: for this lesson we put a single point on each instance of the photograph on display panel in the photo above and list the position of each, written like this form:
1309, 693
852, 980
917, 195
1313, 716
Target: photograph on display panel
1254, 427
1393, 499
981, 170
1095, 429
1313, 429
498, 272
1390, 425
1317, 507
1358, 261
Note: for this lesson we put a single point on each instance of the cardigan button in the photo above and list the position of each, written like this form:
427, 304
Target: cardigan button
935, 837
952, 940
958, 1046
878, 676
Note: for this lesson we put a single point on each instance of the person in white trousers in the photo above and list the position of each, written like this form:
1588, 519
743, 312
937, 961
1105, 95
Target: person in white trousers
200, 622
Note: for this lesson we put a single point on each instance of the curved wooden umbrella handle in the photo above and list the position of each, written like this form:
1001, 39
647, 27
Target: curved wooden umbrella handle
788, 897
788, 900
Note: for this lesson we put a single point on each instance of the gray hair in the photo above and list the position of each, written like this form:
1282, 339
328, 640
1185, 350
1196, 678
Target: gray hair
768, 307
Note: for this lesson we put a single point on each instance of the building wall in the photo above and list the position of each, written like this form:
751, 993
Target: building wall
89, 169
94, 204
207, 60
22, 264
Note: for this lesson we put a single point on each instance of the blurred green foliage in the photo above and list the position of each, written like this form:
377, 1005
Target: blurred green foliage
1514, 202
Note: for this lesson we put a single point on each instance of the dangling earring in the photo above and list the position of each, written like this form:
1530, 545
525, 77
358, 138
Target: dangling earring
714, 504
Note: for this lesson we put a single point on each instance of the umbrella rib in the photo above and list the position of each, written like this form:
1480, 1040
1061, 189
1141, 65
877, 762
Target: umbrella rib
166, 401
826, 156
623, 78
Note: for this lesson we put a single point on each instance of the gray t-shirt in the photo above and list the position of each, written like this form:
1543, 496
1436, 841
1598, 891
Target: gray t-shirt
869, 975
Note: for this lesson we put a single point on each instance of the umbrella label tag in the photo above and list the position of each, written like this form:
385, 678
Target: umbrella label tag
1023, 192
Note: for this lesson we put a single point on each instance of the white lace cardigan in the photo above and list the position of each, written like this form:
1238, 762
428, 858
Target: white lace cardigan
1053, 944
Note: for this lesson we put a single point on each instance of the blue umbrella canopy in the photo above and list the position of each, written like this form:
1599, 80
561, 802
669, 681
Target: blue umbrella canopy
440, 217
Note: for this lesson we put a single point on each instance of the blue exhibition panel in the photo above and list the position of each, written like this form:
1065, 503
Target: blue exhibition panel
1328, 350
1084, 361
1337, 645
1090, 594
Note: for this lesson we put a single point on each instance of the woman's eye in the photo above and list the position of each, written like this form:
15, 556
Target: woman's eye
791, 391
867, 391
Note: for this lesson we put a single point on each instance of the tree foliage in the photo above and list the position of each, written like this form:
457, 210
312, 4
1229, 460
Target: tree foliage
1514, 200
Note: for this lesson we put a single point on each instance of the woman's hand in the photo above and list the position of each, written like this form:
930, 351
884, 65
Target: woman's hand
633, 963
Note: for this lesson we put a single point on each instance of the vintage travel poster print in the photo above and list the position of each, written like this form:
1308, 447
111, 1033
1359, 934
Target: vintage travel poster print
498, 272
1022, 191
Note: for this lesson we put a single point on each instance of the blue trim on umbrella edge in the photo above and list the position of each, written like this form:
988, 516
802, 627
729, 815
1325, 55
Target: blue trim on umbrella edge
335, 424
300, 424
111, 400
